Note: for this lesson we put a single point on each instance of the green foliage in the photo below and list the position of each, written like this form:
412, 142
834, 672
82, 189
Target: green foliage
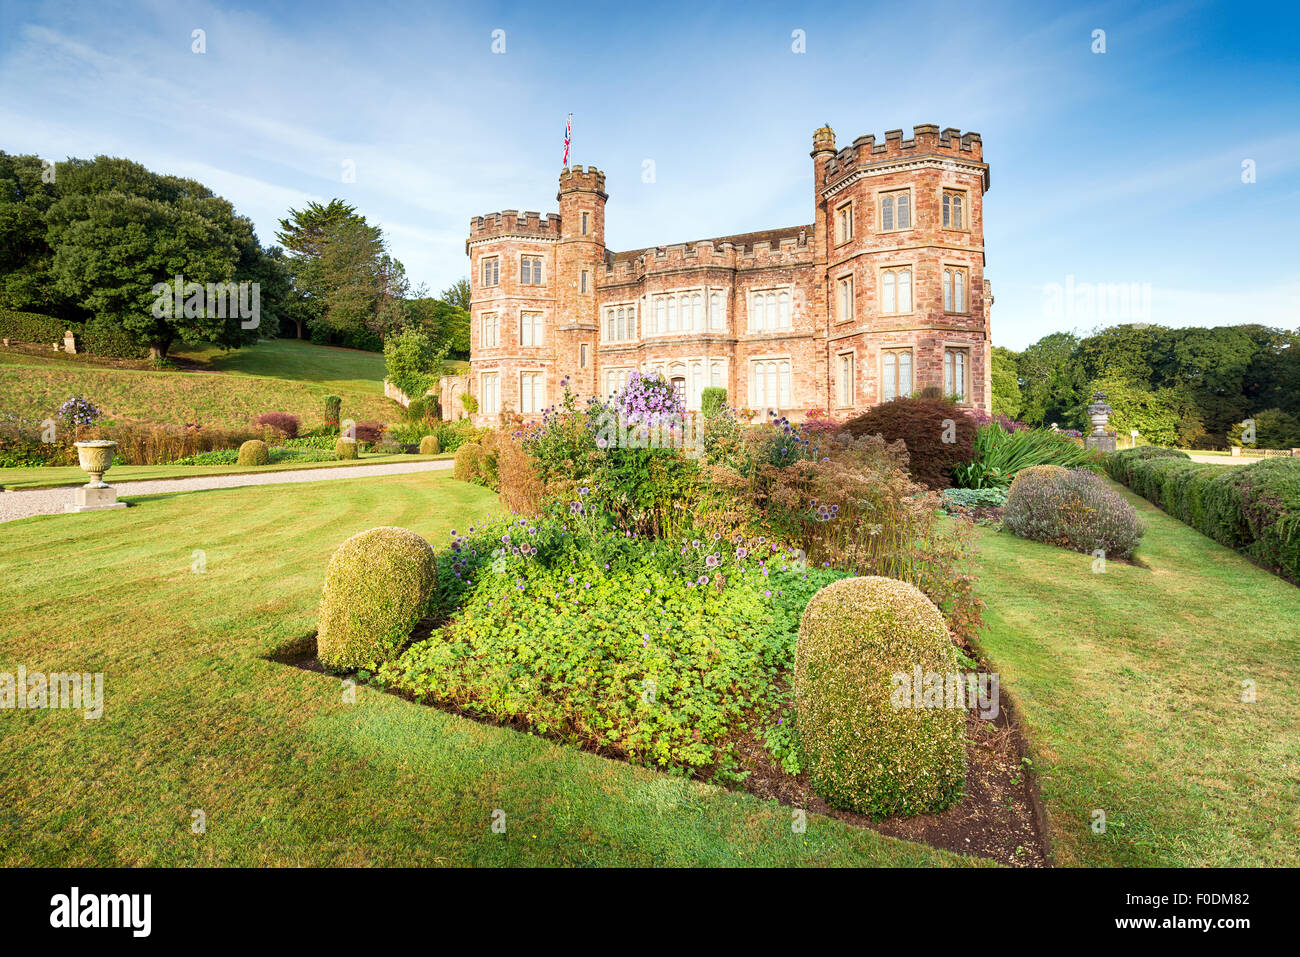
32, 327
1051, 382
1000, 454
1253, 508
1274, 429
468, 463
1166, 416
376, 589
468, 403
1007, 399
989, 497
1073, 509
413, 362
666, 653
429, 445
712, 400
253, 452
866, 747
346, 448
333, 408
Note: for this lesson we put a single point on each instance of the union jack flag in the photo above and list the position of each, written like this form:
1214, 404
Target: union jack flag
568, 136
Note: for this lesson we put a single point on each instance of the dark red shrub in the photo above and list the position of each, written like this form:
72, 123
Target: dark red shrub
370, 431
938, 436
283, 422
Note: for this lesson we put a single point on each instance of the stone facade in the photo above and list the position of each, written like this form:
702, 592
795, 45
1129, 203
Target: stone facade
882, 294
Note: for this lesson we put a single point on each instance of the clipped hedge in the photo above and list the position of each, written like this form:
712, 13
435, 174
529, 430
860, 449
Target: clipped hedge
429, 445
1252, 508
1073, 509
253, 452
377, 588
33, 327
469, 460
863, 750
346, 449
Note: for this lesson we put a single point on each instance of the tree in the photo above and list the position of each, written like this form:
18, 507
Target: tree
1162, 416
1051, 382
1005, 375
27, 191
120, 232
412, 361
457, 294
442, 321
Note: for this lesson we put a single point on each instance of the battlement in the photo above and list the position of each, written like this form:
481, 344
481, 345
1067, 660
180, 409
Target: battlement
926, 139
788, 246
576, 178
508, 222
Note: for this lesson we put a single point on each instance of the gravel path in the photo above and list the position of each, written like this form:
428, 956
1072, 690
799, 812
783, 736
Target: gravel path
50, 501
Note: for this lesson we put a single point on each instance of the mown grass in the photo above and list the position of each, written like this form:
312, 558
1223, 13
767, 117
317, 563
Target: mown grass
35, 391
285, 770
1130, 684
348, 369
17, 479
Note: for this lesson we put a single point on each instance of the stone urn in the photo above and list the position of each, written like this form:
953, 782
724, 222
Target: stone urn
96, 457
1099, 413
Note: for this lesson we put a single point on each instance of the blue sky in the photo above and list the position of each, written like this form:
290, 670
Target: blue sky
1115, 167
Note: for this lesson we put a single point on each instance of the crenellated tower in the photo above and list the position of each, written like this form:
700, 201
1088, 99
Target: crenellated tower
580, 259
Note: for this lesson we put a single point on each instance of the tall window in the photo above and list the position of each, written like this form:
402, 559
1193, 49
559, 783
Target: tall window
955, 373
582, 281
615, 379
491, 271
530, 328
770, 310
490, 393
846, 381
896, 210
582, 355
530, 392
954, 209
770, 384
491, 329
844, 307
717, 320
896, 291
620, 323
530, 271
844, 223
586, 222
954, 289
895, 374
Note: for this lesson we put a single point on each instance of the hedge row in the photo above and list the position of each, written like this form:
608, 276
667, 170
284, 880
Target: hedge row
33, 327
1254, 508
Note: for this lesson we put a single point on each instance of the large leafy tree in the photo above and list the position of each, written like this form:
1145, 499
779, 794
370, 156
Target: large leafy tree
117, 230
1051, 381
28, 188
1005, 375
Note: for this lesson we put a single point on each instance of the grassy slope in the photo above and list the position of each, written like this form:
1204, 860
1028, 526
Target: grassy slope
341, 369
56, 476
285, 770
1130, 682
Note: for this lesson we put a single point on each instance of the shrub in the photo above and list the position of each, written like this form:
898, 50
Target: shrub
1120, 465
283, 422
412, 361
77, 411
992, 497
369, 431
712, 399
1073, 509
377, 587
346, 449
1000, 454
1270, 503
1038, 471
103, 337
468, 403
923, 425
521, 488
33, 327
429, 445
253, 452
333, 409
865, 747
469, 459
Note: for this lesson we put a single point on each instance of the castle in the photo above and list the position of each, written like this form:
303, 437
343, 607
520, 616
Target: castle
882, 295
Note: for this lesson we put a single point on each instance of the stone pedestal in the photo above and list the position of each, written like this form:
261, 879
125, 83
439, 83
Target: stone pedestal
88, 499
69, 343
1100, 443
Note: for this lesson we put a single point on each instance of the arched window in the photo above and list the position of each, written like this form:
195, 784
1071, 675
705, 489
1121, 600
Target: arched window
888, 299
622, 325
661, 319
905, 290
959, 291
609, 325
672, 313
697, 312
784, 310
715, 311
947, 290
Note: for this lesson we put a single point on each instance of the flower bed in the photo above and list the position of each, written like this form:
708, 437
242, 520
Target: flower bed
665, 653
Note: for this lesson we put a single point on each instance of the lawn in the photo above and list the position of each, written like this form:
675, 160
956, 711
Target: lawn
54, 476
1130, 683
285, 771
351, 370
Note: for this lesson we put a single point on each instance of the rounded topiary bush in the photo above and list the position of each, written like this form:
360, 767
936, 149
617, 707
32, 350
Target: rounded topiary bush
865, 749
376, 590
346, 448
429, 445
468, 461
1074, 509
254, 452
